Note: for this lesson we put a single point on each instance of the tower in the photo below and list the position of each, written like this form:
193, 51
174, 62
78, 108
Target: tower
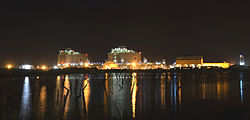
242, 61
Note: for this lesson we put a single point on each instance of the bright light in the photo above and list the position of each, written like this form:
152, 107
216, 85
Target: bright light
27, 67
44, 67
67, 65
134, 64
55, 67
9, 66
86, 64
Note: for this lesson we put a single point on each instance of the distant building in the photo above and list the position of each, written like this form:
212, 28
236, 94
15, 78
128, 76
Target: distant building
26, 66
189, 61
123, 55
197, 61
242, 60
70, 58
220, 65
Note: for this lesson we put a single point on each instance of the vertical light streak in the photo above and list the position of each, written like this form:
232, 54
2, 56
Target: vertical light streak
25, 103
43, 96
134, 90
163, 92
87, 91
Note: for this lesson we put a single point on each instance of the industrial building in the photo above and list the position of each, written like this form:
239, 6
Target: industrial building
197, 61
220, 65
123, 55
189, 61
70, 58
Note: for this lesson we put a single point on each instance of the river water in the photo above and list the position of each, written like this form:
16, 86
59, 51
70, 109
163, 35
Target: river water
167, 95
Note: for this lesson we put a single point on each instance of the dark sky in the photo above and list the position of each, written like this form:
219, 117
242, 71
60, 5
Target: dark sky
33, 31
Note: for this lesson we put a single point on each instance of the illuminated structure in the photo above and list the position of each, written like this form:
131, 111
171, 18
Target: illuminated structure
189, 61
110, 65
123, 55
242, 61
26, 67
220, 65
197, 61
70, 58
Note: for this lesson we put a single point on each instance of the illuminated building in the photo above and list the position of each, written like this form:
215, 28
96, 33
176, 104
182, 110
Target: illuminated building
189, 61
70, 58
220, 65
123, 55
242, 61
26, 67
197, 61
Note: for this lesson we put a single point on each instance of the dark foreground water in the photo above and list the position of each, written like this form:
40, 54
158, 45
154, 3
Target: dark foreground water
171, 95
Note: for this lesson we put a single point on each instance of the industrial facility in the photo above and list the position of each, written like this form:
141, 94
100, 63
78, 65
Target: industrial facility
124, 58
197, 62
70, 58
124, 55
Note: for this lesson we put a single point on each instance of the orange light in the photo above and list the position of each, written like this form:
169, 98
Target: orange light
44, 67
134, 64
67, 65
9, 66
86, 64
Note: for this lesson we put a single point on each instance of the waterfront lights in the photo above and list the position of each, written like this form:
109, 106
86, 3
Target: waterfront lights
86, 64
133, 64
44, 67
9, 66
67, 65
55, 67
26, 67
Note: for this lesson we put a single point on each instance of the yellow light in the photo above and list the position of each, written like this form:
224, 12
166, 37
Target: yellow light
134, 64
37, 77
67, 65
9, 66
44, 67
86, 64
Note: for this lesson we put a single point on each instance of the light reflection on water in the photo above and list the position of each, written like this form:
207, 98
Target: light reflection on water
241, 88
125, 95
134, 91
163, 90
42, 102
87, 92
25, 102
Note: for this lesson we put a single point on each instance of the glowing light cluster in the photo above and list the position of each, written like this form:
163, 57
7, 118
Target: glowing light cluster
69, 51
121, 49
26, 67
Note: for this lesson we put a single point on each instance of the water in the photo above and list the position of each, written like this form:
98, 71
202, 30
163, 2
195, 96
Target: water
170, 95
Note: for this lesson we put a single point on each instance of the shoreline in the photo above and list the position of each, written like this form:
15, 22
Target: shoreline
35, 72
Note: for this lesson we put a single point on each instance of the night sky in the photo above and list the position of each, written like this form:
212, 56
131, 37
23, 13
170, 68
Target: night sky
33, 31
